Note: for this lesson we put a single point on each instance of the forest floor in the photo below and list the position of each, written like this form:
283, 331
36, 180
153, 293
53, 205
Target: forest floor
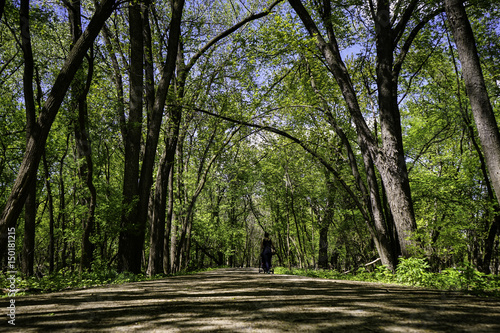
242, 300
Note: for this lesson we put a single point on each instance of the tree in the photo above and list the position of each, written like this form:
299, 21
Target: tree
174, 120
482, 110
30, 207
389, 158
130, 237
137, 194
484, 117
36, 144
79, 91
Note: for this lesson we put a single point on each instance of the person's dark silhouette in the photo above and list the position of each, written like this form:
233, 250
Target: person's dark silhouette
266, 250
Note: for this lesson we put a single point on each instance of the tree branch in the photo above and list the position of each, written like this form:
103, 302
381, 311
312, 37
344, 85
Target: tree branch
228, 32
300, 143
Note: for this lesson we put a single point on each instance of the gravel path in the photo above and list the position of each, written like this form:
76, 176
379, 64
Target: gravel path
241, 300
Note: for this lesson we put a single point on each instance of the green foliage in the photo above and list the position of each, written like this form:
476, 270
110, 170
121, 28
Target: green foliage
324, 274
262, 74
65, 279
468, 278
415, 272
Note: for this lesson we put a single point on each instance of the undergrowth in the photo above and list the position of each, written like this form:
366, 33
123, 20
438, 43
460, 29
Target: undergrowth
415, 272
66, 279
410, 272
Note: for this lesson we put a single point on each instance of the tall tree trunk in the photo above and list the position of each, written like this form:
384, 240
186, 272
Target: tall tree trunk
36, 144
79, 90
159, 233
379, 227
51, 214
393, 169
323, 245
28, 253
130, 243
389, 159
482, 110
165, 170
156, 116
132, 238
29, 101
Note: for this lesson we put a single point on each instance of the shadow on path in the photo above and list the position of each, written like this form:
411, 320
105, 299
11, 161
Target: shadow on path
241, 300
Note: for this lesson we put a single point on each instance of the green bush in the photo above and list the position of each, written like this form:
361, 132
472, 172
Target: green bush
467, 277
65, 279
384, 274
413, 271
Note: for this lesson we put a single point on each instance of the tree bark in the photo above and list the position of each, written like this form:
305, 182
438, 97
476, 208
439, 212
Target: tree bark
380, 234
132, 239
79, 91
51, 214
130, 243
389, 159
30, 206
475, 86
36, 144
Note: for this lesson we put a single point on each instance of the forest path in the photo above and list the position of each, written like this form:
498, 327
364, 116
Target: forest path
241, 300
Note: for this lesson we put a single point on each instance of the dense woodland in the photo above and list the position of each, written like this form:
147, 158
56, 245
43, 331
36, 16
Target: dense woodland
157, 136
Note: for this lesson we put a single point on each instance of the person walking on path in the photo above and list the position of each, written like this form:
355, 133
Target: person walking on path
267, 250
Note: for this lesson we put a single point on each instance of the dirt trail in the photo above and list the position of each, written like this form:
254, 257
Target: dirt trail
241, 300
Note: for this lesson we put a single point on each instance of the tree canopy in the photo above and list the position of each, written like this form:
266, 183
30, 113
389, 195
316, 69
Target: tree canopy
155, 137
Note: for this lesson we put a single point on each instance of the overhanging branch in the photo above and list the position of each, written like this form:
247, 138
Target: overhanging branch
300, 143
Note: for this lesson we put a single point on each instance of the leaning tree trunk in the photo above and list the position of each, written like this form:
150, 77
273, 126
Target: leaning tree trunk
389, 159
36, 143
29, 100
482, 110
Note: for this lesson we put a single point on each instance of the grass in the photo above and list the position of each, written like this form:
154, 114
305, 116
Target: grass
65, 279
415, 272
410, 272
